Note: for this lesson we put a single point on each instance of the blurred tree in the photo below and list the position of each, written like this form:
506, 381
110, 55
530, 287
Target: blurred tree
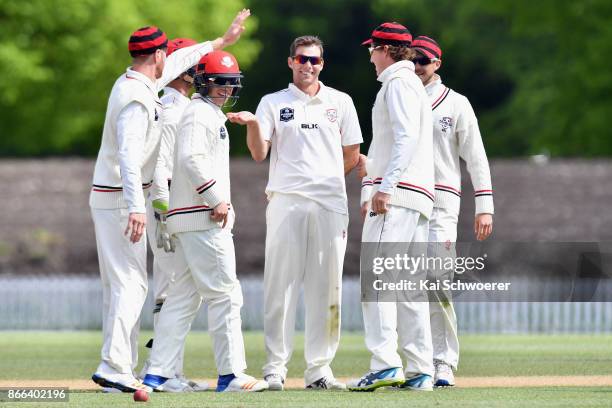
535, 72
59, 59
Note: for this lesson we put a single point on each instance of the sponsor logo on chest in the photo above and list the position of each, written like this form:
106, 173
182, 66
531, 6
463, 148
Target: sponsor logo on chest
223, 132
286, 114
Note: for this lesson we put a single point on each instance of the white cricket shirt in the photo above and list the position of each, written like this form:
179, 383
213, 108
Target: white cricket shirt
307, 135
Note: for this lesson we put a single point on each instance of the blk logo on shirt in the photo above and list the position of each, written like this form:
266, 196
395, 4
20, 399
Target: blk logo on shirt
223, 132
286, 114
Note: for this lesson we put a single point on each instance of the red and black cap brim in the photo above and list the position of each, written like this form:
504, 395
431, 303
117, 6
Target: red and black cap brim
147, 40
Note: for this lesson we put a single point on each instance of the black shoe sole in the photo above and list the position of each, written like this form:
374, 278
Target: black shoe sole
103, 382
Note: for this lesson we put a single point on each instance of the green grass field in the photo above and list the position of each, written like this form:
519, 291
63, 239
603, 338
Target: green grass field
74, 356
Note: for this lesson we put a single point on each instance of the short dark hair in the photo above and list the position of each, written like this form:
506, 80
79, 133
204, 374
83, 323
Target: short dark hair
305, 41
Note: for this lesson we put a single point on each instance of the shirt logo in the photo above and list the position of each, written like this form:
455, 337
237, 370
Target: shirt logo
332, 115
156, 115
223, 132
286, 114
446, 123
310, 126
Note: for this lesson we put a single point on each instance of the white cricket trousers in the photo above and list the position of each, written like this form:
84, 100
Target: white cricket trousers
164, 270
123, 270
208, 273
305, 243
406, 322
443, 229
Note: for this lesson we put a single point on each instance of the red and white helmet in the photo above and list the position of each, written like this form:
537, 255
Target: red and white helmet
219, 69
177, 44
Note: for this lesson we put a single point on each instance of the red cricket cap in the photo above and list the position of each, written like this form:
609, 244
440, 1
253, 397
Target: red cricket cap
427, 46
178, 43
390, 34
146, 40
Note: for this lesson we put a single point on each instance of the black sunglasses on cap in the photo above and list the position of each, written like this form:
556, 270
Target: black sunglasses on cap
423, 60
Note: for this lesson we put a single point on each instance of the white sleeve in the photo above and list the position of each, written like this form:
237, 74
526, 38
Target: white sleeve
181, 60
403, 105
163, 165
366, 190
131, 132
198, 148
471, 149
265, 117
349, 124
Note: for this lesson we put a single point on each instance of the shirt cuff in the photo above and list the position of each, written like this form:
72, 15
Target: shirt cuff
140, 209
484, 204
386, 187
208, 192
366, 191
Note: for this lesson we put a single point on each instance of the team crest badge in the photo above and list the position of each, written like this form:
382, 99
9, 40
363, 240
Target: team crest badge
227, 62
223, 132
332, 115
286, 114
446, 123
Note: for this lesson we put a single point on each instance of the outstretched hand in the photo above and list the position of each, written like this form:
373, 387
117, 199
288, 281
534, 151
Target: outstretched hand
236, 28
241, 118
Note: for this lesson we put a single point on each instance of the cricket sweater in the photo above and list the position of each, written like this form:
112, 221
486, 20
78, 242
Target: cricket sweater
201, 176
456, 135
400, 158
174, 104
126, 160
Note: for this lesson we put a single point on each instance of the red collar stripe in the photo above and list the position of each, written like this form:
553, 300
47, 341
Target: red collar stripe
441, 98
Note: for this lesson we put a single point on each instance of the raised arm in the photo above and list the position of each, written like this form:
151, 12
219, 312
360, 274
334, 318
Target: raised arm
185, 58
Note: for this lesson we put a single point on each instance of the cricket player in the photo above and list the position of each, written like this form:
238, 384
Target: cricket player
201, 217
455, 135
400, 199
122, 177
174, 101
313, 134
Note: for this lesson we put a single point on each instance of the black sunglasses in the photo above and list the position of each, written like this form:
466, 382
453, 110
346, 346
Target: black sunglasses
423, 60
302, 59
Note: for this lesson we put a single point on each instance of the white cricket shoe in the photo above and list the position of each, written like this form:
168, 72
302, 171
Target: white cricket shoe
276, 382
376, 379
326, 383
174, 385
244, 383
443, 376
121, 382
195, 386
418, 382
